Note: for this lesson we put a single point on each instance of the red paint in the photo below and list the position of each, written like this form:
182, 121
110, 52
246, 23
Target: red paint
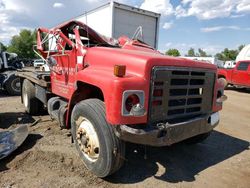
97, 67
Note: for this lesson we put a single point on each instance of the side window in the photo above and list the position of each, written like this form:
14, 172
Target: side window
243, 66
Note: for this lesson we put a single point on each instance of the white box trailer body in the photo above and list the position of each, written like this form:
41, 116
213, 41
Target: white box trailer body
244, 54
211, 60
114, 20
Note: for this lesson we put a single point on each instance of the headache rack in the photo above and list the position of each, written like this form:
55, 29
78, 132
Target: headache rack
180, 93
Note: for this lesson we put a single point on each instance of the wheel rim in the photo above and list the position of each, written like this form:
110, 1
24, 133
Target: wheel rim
25, 99
15, 85
87, 139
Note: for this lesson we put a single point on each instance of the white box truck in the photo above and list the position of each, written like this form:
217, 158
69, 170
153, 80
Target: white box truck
115, 19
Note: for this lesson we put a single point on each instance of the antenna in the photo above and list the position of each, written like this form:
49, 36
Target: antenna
87, 27
139, 31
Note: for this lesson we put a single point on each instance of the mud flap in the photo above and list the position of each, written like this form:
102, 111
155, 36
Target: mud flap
10, 140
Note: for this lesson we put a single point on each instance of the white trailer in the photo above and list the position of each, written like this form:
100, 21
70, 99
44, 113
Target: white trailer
244, 54
115, 19
211, 60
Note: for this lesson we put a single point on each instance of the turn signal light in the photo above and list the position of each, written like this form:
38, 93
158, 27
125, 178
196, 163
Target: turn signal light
119, 70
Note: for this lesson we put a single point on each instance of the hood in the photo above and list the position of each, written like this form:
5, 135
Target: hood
137, 61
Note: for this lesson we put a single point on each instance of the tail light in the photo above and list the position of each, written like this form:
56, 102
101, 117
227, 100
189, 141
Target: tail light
133, 103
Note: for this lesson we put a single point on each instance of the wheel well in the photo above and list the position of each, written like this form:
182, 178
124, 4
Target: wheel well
221, 76
87, 91
84, 91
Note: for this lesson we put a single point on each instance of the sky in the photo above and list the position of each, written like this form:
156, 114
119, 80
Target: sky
211, 25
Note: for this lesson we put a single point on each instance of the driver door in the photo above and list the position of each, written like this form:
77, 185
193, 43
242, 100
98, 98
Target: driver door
241, 74
63, 73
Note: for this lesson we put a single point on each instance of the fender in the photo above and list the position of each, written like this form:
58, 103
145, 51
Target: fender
108, 83
222, 73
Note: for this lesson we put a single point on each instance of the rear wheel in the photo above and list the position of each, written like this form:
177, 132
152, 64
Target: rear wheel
101, 151
12, 85
32, 105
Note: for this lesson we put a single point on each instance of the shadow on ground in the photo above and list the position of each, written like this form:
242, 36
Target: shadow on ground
241, 90
26, 145
4, 94
179, 162
12, 118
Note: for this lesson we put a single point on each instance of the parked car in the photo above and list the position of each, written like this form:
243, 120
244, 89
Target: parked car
38, 63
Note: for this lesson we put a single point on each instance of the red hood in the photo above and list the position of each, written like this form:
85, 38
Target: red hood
137, 62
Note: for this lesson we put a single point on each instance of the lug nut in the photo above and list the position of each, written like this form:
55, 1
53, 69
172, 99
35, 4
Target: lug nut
86, 150
78, 136
82, 148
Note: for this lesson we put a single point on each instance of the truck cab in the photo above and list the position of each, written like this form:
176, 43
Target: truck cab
238, 76
8, 64
6, 60
109, 93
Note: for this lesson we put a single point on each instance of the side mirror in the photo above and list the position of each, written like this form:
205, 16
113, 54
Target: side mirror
52, 61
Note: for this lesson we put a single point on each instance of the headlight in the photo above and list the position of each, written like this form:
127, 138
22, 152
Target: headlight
133, 103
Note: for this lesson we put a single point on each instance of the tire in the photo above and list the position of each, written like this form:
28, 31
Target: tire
12, 85
111, 151
62, 116
197, 139
32, 105
224, 81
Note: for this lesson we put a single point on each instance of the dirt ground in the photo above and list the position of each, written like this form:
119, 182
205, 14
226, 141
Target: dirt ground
48, 159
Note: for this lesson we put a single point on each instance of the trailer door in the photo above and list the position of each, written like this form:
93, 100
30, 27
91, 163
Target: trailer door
126, 22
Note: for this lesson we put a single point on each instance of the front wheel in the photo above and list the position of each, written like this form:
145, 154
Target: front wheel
101, 151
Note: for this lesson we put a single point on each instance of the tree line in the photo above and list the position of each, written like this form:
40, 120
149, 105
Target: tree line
225, 55
22, 45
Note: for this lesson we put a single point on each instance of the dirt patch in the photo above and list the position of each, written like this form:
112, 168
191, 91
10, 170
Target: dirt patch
48, 158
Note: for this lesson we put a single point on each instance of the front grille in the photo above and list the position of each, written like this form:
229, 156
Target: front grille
178, 93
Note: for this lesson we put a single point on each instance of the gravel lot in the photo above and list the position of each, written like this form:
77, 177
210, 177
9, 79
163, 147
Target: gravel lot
48, 159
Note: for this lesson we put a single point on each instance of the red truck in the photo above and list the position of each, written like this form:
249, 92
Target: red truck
238, 76
109, 94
